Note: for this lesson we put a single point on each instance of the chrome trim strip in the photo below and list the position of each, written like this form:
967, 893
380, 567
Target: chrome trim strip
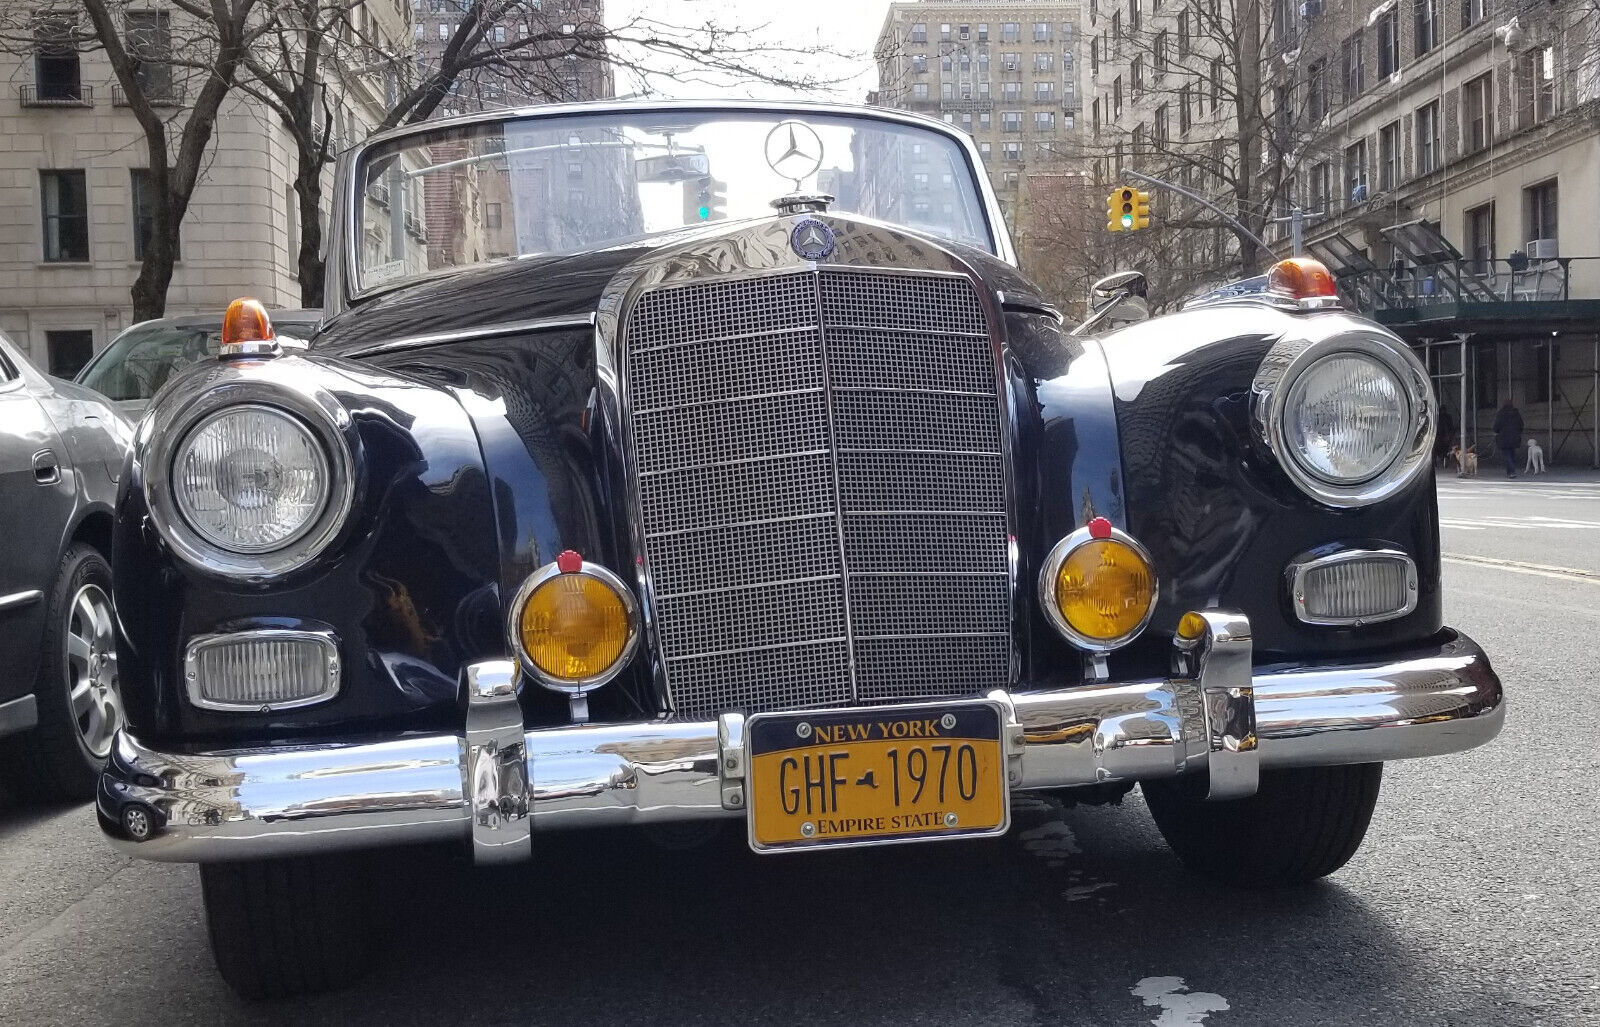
1440, 697
1228, 704
838, 488
537, 324
194, 687
581, 686
18, 714
17, 600
1305, 563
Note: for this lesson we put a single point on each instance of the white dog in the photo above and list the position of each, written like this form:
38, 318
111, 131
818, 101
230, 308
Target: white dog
1535, 458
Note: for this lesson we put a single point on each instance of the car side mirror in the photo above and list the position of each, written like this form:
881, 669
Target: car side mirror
1117, 297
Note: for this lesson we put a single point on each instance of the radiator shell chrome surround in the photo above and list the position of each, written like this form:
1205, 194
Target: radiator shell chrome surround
750, 252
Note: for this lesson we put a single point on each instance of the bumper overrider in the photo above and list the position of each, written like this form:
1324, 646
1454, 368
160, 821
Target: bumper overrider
1217, 714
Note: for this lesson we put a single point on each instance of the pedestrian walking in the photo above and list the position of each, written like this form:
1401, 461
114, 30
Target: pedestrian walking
1508, 434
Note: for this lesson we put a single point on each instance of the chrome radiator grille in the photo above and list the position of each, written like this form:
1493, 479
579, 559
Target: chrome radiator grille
821, 486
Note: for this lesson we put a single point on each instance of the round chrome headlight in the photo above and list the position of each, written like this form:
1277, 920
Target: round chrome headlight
249, 467
1346, 418
250, 479
1349, 415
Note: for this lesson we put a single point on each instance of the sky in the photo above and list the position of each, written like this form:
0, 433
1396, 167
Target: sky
845, 29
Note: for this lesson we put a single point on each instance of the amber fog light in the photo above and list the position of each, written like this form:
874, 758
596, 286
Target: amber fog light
1097, 587
574, 624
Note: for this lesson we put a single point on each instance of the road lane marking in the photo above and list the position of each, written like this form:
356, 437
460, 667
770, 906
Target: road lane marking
1542, 570
1180, 1007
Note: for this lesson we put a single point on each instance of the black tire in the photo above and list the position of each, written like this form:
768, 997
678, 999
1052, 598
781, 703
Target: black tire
286, 927
1302, 824
53, 761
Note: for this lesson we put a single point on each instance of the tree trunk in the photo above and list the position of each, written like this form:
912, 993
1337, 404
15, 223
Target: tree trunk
311, 269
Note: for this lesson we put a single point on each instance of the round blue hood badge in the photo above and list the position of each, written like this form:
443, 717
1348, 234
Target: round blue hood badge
811, 239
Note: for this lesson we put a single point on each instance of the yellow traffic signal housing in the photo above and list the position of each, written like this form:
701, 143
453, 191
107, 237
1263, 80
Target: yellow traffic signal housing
1114, 212
1141, 209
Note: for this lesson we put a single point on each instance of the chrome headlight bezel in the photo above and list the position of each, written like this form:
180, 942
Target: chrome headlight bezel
287, 385
1274, 384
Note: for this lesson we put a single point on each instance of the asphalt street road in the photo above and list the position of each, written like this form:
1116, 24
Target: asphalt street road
1472, 902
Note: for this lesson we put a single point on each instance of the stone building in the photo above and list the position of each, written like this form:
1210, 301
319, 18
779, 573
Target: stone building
1008, 73
72, 219
563, 78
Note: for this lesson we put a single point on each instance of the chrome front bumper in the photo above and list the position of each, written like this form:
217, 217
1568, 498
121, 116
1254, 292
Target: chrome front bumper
491, 783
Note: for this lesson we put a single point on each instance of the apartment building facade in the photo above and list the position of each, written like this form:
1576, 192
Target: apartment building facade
73, 202
1007, 73
539, 28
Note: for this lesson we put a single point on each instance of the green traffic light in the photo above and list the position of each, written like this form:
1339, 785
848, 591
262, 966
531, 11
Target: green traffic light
705, 212
1127, 221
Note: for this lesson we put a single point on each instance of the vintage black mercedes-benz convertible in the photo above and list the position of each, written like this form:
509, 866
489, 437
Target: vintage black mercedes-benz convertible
633, 480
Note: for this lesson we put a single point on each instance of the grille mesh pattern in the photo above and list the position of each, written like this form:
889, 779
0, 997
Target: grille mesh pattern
820, 474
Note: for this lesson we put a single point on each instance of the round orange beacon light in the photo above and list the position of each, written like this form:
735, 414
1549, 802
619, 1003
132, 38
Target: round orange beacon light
1302, 278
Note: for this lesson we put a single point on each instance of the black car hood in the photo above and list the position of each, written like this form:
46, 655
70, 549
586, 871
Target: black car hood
553, 286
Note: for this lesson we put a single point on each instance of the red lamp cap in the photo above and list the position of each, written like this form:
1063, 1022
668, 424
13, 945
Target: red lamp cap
1099, 527
246, 321
569, 562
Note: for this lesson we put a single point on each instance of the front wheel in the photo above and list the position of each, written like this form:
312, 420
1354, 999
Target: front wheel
1302, 824
287, 927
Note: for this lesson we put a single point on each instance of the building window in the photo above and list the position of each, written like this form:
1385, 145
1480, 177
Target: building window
946, 64
68, 350
1427, 25
1471, 12
491, 216
1116, 98
1216, 83
1352, 61
985, 151
150, 45
1011, 121
1095, 124
1536, 86
1094, 56
143, 213
1043, 61
947, 91
984, 118
966, 121
1011, 92
919, 33
1388, 45
1011, 32
1068, 121
1185, 99
1116, 25
1389, 155
1479, 235
1318, 186
1044, 121
983, 32
919, 64
1134, 14
944, 33
1161, 53
499, 33
1161, 127
919, 182
983, 92
1427, 131
1041, 32
1010, 61
1183, 33
919, 90
1355, 171
1539, 213
1317, 91
1012, 151
1136, 74
65, 211
1044, 90
444, 32
57, 74
1475, 114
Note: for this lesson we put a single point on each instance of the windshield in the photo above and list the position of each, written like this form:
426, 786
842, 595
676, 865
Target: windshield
140, 360
488, 191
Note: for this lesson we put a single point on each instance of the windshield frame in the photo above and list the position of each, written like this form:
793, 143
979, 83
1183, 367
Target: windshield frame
342, 246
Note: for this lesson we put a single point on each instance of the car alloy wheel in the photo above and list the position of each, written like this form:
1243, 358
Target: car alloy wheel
91, 669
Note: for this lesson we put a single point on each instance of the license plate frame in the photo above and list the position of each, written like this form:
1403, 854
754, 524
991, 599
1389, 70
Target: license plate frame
975, 721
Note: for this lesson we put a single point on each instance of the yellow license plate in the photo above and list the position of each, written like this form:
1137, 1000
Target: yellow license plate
870, 776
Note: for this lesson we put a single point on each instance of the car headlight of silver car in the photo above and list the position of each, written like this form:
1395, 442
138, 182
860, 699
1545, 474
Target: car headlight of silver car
1349, 416
249, 467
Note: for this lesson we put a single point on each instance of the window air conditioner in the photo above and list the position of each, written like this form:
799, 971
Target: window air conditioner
1541, 249
1310, 9
1011, 65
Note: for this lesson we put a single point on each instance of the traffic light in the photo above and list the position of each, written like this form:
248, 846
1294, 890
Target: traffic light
704, 199
1127, 210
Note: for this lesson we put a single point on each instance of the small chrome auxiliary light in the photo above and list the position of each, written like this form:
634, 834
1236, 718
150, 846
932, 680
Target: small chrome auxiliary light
262, 670
1352, 587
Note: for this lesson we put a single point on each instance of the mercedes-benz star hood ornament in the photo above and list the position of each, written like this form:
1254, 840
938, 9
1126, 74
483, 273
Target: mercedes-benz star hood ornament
794, 151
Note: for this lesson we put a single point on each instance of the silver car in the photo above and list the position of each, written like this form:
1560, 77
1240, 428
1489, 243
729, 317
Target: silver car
61, 452
140, 360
